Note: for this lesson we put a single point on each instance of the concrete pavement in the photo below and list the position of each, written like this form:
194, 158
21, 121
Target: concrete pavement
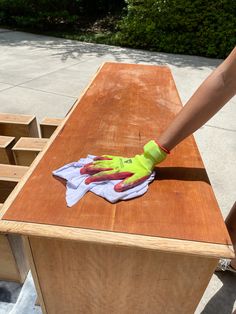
44, 75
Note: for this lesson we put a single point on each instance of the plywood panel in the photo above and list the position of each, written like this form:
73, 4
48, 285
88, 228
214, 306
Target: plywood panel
12, 173
126, 106
48, 126
18, 250
18, 125
9, 177
27, 149
13, 262
97, 279
8, 267
6, 144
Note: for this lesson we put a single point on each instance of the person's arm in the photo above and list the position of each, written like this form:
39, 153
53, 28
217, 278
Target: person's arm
209, 98
214, 92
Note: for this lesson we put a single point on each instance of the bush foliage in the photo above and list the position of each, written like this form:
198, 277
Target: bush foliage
197, 27
55, 14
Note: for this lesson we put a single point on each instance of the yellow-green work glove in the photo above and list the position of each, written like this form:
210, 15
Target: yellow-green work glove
133, 171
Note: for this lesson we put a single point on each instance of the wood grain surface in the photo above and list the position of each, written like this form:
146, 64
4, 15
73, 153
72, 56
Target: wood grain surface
27, 149
30, 144
10, 175
48, 126
126, 106
18, 125
6, 144
72, 277
8, 266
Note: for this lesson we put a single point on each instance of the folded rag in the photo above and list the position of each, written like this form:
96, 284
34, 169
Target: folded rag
76, 187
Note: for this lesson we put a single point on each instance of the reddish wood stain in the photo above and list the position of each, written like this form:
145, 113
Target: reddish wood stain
124, 107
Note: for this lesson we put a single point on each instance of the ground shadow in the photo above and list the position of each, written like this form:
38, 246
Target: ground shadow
223, 301
9, 291
71, 49
5, 295
181, 173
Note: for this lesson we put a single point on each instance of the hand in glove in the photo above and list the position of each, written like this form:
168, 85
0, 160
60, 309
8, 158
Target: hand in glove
132, 171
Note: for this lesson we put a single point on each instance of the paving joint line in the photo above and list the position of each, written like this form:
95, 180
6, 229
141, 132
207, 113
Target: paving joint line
25, 82
220, 128
63, 68
35, 78
35, 89
47, 92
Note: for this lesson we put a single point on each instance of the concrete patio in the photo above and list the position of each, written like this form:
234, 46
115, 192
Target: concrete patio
44, 75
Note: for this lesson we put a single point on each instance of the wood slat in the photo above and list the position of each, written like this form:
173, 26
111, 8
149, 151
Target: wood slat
14, 265
48, 126
18, 125
12, 173
27, 149
13, 262
126, 106
126, 240
6, 144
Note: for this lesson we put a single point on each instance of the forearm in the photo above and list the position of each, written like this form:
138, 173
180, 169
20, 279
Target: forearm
209, 98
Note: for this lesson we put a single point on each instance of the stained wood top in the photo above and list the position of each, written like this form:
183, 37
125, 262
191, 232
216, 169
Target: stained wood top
124, 107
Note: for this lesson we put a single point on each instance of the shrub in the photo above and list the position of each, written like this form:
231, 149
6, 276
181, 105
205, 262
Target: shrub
55, 14
198, 27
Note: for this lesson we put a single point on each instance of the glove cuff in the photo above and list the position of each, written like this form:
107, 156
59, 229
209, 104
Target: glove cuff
155, 152
163, 148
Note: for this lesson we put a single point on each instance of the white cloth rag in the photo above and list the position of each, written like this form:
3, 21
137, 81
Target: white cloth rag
76, 187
